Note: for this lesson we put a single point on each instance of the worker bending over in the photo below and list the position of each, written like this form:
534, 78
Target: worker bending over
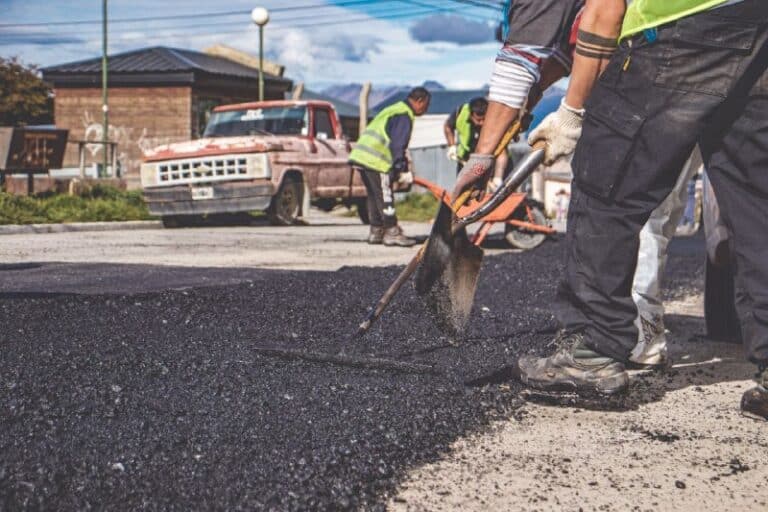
462, 131
379, 156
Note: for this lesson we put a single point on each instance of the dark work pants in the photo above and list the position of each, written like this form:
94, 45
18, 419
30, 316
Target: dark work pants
702, 81
381, 199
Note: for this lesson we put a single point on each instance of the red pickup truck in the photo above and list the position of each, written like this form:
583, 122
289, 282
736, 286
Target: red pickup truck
273, 156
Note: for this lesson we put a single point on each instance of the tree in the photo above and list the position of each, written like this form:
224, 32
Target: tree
24, 97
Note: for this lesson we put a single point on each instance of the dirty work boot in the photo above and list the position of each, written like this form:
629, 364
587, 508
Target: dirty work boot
651, 349
394, 236
376, 235
754, 402
574, 368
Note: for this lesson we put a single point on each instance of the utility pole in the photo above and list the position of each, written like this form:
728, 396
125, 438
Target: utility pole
260, 17
104, 98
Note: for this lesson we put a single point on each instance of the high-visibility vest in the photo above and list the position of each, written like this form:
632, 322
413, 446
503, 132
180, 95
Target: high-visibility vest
372, 148
464, 130
645, 14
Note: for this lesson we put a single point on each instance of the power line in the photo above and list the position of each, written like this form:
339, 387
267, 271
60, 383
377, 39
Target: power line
217, 14
335, 21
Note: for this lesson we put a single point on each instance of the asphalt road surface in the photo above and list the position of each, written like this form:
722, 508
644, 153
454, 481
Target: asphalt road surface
129, 386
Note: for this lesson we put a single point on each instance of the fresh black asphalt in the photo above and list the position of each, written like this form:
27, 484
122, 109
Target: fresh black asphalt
138, 388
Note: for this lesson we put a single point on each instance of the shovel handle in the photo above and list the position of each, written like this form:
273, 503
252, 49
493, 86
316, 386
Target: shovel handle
409, 269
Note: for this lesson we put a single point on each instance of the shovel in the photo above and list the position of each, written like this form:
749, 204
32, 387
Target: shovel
382, 304
447, 277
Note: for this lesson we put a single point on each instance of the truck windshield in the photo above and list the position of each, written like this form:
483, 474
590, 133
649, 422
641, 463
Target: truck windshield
258, 121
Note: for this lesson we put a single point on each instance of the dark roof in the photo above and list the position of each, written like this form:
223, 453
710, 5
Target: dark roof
157, 62
442, 101
343, 108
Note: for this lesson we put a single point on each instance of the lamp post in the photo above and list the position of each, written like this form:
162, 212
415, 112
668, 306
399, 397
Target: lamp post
260, 17
104, 100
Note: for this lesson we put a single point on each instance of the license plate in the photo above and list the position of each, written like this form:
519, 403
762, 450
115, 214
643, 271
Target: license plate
202, 193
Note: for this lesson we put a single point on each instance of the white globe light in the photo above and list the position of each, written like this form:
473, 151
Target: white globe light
260, 16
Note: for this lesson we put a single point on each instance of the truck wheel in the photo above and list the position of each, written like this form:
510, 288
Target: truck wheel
720, 303
362, 212
286, 204
522, 238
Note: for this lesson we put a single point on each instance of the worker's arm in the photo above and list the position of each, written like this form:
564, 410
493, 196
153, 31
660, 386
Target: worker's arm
399, 131
449, 129
595, 44
596, 41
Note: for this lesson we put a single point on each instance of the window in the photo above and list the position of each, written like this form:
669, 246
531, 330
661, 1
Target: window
323, 127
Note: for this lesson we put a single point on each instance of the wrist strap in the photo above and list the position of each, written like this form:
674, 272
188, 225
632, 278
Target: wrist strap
577, 111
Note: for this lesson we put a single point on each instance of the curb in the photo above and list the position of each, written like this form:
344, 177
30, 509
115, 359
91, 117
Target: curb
24, 229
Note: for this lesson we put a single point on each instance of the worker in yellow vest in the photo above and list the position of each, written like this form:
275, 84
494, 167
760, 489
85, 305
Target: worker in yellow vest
462, 131
672, 74
379, 156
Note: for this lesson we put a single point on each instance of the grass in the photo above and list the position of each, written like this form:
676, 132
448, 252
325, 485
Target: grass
415, 207
98, 203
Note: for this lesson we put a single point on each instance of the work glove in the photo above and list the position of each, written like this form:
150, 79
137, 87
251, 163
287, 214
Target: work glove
453, 153
560, 130
493, 185
474, 174
405, 178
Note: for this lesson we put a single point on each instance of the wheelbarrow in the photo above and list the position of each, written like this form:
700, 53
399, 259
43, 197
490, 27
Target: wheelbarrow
525, 227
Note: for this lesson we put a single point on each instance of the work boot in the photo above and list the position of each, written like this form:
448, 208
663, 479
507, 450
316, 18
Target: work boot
651, 349
376, 235
754, 402
394, 236
574, 368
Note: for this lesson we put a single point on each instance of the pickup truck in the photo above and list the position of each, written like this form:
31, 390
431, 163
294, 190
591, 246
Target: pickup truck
272, 156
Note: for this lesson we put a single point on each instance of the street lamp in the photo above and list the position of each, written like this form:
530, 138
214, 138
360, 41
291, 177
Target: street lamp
260, 17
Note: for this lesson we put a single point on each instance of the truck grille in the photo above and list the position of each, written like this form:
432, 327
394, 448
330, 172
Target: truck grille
202, 170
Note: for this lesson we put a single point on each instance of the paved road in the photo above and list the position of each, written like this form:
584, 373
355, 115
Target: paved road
158, 259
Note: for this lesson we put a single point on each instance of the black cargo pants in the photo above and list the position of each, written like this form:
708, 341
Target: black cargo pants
381, 199
702, 81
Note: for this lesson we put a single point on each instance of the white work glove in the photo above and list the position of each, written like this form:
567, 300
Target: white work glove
405, 178
453, 153
560, 130
493, 185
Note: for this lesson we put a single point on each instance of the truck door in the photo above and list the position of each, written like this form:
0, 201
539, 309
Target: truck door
334, 175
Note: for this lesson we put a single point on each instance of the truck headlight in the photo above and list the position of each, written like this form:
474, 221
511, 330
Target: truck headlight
148, 175
258, 166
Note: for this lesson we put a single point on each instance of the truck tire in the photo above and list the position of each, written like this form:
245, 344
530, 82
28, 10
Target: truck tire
286, 204
521, 238
362, 212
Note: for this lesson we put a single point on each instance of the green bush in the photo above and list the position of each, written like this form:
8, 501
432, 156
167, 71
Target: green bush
97, 203
417, 207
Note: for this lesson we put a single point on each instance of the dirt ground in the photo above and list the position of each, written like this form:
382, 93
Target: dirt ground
686, 450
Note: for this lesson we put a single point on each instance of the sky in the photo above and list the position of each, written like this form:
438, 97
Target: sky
321, 42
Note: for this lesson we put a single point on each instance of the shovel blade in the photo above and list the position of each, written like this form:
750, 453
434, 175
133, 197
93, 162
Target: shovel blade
447, 276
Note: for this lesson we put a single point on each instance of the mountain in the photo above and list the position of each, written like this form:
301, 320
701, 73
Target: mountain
351, 92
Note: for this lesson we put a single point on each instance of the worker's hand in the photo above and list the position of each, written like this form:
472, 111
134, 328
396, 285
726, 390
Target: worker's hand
453, 153
474, 174
405, 178
493, 185
560, 130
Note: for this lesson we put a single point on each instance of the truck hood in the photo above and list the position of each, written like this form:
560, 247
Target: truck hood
218, 146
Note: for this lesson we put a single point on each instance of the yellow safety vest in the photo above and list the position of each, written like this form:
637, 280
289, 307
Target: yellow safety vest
645, 14
372, 148
464, 130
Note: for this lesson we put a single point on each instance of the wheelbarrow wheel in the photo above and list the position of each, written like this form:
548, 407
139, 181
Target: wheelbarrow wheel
521, 238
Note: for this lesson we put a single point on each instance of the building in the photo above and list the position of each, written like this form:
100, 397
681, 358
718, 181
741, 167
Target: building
157, 95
